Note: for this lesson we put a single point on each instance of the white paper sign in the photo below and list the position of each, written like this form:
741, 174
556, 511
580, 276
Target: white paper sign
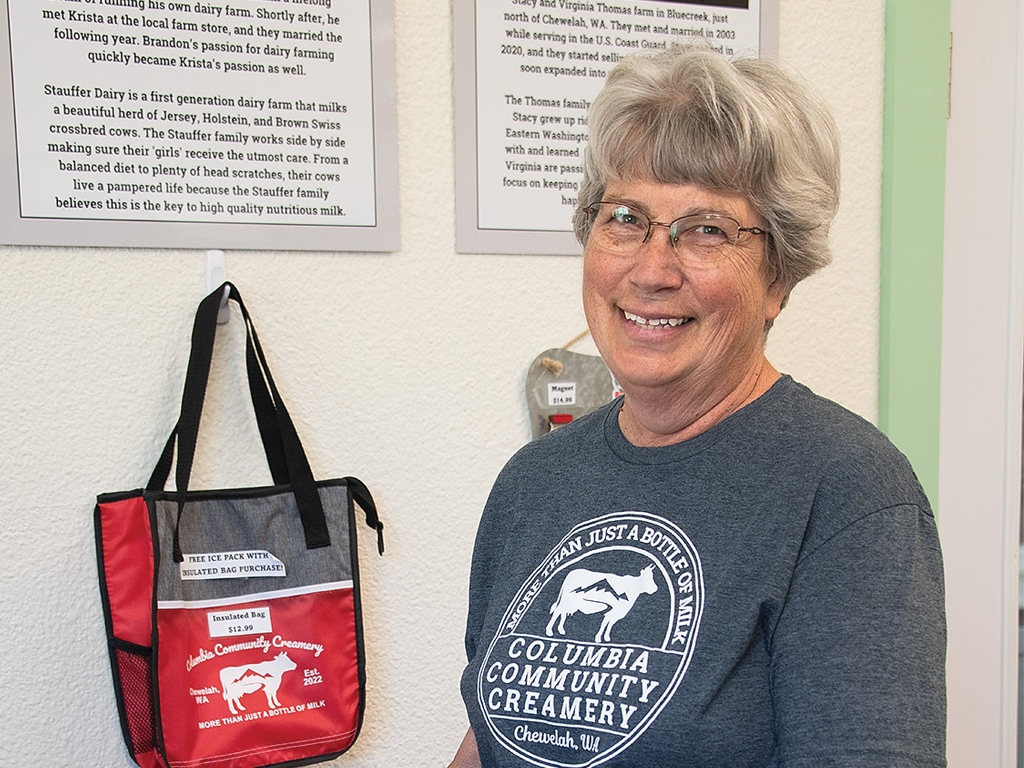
561, 393
230, 565
245, 621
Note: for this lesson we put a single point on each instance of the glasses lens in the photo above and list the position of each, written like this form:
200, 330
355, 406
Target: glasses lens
704, 232
619, 227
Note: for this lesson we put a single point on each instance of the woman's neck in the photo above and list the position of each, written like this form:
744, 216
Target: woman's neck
654, 419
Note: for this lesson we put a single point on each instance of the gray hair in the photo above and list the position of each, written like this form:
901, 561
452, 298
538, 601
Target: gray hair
689, 115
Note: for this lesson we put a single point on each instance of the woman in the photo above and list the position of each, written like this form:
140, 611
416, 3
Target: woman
720, 568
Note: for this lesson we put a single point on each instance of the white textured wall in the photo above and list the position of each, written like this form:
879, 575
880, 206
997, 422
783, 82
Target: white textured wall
405, 369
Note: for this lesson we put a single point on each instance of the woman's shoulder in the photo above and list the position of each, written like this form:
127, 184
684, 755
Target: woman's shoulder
798, 413
857, 465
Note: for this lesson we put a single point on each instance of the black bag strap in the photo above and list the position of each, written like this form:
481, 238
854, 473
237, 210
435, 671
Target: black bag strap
278, 432
266, 419
266, 415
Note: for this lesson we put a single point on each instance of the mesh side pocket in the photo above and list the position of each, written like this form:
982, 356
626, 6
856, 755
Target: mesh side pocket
135, 672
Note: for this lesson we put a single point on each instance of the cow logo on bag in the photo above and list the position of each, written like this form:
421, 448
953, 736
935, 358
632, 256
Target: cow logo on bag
249, 678
595, 642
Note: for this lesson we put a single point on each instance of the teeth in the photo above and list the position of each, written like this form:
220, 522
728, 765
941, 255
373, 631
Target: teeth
654, 322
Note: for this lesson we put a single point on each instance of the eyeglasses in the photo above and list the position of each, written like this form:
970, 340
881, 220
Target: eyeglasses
623, 229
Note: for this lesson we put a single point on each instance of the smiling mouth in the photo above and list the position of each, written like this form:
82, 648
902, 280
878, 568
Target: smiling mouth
656, 322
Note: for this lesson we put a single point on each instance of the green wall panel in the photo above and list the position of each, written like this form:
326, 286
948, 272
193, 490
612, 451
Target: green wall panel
913, 198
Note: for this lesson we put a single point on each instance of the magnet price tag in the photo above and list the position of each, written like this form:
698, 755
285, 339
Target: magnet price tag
562, 393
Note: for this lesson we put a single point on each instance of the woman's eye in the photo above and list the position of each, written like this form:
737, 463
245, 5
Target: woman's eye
709, 230
704, 234
624, 216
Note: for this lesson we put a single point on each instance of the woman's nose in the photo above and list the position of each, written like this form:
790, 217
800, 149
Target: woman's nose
657, 264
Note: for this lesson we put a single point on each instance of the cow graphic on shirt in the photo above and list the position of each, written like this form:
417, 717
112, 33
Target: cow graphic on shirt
589, 592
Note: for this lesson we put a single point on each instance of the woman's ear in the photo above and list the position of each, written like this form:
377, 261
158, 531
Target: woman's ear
775, 299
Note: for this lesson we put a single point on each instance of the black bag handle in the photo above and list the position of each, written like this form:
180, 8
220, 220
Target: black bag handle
278, 433
266, 419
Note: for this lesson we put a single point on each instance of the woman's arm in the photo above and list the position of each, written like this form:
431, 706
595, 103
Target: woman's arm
858, 667
467, 756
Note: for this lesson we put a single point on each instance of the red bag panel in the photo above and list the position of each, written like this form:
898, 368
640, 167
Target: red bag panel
250, 694
128, 568
134, 673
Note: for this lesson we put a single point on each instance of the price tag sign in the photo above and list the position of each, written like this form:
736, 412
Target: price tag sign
562, 393
246, 621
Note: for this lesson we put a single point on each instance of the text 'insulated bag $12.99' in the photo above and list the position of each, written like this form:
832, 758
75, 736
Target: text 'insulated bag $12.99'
233, 616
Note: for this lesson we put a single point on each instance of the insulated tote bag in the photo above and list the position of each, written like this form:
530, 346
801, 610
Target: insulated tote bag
233, 616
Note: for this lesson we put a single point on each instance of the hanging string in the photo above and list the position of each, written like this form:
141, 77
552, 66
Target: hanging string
555, 366
578, 337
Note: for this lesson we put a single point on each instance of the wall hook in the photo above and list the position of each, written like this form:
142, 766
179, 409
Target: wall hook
216, 275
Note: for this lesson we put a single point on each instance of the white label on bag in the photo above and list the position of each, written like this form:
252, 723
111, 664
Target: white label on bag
562, 393
231, 565
245, 621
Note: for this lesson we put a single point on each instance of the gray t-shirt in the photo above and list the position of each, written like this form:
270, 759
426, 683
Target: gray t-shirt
769, 593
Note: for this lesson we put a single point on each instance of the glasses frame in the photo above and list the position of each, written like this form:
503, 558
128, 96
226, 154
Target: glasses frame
592, 210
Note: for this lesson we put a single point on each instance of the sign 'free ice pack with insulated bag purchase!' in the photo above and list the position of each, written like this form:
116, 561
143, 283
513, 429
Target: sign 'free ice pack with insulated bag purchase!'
233, 616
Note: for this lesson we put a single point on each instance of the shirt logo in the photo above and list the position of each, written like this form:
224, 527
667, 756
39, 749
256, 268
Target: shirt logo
595, 642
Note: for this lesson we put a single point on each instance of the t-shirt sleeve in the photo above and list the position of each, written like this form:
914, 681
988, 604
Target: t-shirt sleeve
858, 651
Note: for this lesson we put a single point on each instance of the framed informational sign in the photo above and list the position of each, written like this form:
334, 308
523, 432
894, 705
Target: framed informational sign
525, 74
263, 124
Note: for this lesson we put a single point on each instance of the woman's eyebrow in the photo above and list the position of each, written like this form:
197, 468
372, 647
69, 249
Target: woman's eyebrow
628, 202
696, 210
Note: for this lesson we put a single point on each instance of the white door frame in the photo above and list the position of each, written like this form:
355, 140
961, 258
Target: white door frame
982, 368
